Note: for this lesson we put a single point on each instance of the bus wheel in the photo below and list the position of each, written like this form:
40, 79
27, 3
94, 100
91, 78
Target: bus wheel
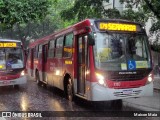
117, 104
37, 79
69, 90
16, 86
46, 85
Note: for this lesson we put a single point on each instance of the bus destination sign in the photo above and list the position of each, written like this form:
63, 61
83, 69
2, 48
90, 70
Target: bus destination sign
117, 27
8, 44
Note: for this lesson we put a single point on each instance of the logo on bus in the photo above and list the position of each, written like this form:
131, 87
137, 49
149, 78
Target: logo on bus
117, 84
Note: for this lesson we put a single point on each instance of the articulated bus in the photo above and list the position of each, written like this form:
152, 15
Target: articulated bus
12, 63
98, 60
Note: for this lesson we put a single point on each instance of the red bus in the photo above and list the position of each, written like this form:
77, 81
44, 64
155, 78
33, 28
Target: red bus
12, 63
97, 60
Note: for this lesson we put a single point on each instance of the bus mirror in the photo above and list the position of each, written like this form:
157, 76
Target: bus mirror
91, 40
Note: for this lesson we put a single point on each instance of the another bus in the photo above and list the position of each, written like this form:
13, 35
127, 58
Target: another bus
98, 60
12, 63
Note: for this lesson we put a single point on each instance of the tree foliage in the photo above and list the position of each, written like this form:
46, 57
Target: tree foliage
139, 16
150, 9
22, 11
36, 27
26, 16
145, 9
152, 6
57, 7
84, 9
95, 9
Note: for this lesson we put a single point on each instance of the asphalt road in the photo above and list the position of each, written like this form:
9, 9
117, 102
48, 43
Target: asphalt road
31, 97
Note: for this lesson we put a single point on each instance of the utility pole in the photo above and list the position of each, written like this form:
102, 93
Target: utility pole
113, 4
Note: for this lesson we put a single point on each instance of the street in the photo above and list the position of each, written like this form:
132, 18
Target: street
32, 97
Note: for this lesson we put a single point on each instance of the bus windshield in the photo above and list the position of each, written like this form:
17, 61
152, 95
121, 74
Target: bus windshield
11, 58
121, 51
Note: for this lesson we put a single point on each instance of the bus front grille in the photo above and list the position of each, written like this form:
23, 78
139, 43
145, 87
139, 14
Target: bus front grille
128, 76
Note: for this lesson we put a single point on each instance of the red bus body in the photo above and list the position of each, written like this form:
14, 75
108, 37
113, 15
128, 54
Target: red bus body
72, 56
12, 63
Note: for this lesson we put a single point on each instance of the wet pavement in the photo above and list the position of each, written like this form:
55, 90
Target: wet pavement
151, 103
32, 97
156, 82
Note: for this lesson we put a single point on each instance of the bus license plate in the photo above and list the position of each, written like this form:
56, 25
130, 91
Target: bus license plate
127, 91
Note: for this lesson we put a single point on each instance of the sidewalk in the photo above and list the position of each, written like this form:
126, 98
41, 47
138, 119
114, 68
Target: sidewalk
147, 103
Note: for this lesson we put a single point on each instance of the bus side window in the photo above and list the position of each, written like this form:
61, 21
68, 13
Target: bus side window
40, 51
51, 49
45, 51
59, 47
68, 50
36, 52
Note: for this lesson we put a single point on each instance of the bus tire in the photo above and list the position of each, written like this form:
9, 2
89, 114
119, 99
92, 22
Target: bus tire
16, 86
69, 90
46, 84
117, 104
37, 79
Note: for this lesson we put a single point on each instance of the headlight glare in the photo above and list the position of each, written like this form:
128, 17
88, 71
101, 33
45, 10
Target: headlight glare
23, 73
100, 79
150, 78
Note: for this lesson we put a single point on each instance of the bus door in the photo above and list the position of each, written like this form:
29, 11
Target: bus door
44, 61
31, 62
82, 64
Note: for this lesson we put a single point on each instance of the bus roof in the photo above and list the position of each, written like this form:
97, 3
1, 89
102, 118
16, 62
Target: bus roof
77, 26
63, 31
9, 40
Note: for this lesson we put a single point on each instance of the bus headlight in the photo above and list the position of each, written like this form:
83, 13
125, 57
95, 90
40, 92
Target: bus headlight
150, 79
100, 79
23, 73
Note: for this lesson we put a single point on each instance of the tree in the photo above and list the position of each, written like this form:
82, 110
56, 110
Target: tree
57, 8
84, 9
19, 15
94, 9
22, 11
150, 9
153, 6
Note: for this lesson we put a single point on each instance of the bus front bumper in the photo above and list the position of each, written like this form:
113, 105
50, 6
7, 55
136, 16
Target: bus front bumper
21, 80
101, 93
